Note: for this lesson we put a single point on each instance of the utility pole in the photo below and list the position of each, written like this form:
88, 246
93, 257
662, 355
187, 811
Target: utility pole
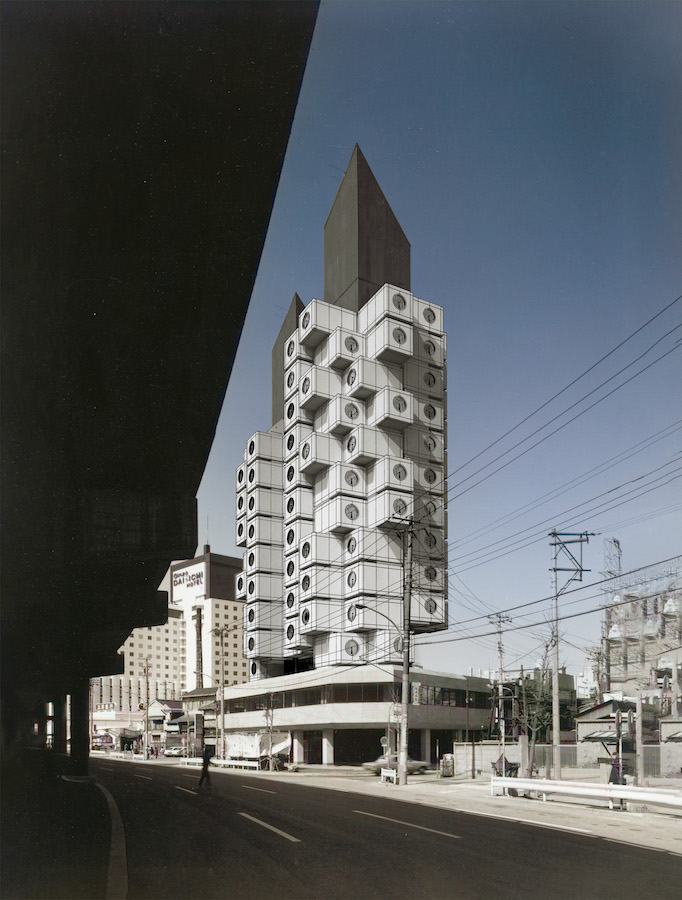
405, 699
560, 543
146, 664
500, 619
221, 632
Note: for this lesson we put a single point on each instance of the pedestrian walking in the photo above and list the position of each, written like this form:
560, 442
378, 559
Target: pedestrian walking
204, 768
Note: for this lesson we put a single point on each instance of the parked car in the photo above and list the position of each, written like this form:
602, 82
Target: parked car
414, 766
174, 751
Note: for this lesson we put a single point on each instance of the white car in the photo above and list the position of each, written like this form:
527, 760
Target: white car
414, 766
174, 751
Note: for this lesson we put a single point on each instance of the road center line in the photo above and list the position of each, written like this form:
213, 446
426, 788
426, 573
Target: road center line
262, 790
289, 837
146, 777
408, 824
186, 790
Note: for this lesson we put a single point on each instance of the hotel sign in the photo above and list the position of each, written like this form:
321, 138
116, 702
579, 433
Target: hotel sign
188, 583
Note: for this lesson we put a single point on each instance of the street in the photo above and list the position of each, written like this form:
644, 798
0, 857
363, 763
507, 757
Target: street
251, 837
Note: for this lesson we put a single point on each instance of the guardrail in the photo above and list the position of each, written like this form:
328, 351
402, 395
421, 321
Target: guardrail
224, 763
610, 792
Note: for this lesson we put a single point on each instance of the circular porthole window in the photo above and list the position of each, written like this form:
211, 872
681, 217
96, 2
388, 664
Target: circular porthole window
291, 568
252, 587
252, 615
240, 584
429, 315
251, 644
291, 631
291, 473
352, 613
351, 444
290, 505
254, 668
291, 440
252, 531
430, 411
352, 579
429, 379
240, 530
399, 404
430, 573
290, 600
399, 335
305, 387
252, 446
352, 411
352, 647
429, 476
400, 472
398, 645
252, 475
430, 508
305, 616
291, 377
240, 476
305, 550
240, 503
252, 558
429, 348
305, 452
399, 302
252, 504
352, 544
290, 348
305, 584
430, 443
290, 536
399, 507
351, 478
351, 344
291, 409
430, 605
305, 321
352, 512
430, 540
350, 377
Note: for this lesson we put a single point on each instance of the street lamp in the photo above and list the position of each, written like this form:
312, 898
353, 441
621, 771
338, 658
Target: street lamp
404, 707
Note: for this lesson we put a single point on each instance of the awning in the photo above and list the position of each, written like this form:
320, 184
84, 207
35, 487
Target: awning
606, 737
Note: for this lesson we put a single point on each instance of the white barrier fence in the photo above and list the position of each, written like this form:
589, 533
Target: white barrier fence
225, 763
610, 792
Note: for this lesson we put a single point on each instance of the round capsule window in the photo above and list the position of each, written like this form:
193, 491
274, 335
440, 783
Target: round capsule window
430, 443
290, 600
240, 476
305, 616
350, 377
429, 476
252, 475
305, 387
252, 558
251, 644
352, 411
305, 452
252, 615
399, 404
291, 440
252, 446
305, 550
399, 302
352, 579
252, 587
240, 529
430, 605
351, 511
291, 409
240, 503
398, 645
290, 348
252, 531
430, 573
291, 568
430, 539
291, 473
430, 411
291, 536
351, 344
351, 478
352, 647
305, 584
430, 507
399, 335
399, 506
429, 315
429, 348
351, 443
291, 631
400, 472
254, 668
305, 321
429, 379
252, 504
240, 584
291, 378
352, 544
290, 505
352, 613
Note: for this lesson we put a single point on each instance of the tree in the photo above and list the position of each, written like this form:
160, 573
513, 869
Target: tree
535, 710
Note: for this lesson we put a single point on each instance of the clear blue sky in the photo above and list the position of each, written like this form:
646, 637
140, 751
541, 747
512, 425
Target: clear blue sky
531, 152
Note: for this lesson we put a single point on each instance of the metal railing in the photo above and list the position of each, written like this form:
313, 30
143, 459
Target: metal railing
610, 792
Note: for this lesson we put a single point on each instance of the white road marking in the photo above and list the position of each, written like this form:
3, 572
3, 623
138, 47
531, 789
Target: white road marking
408, 824
178, 788
188, 774
289, 837
262, 790
146, 777
107, 768
469, 812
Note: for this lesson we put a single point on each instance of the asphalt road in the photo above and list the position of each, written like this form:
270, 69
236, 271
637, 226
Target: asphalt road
246, 837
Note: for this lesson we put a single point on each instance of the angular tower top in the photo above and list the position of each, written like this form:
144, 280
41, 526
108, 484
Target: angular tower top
364, 245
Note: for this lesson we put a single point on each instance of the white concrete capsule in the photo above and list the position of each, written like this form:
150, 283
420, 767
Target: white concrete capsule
366, 543
340, 479
390, 473
263, 643
263, 587
319, 616
340, 349
263, 615
423, 445
318, 452
317, 387
264, 445
263, 558
263, 474
388, 301
298, 504
319, 319
389, 509
338, 649
365, 445
293, 637
427, 315
264, 502
264, 530
390, 408
340, 416
294, 438
367, 376
325, 582
371, 579
390, 341
424, 380
429, 348
320, 550
340, 514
